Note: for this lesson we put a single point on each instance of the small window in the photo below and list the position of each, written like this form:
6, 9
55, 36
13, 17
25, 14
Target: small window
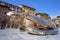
50, 28
5, 13
23, 10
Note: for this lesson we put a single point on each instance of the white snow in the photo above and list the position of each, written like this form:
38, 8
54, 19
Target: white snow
16, 34
9, 13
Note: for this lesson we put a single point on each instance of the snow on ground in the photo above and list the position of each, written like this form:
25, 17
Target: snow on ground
16, 34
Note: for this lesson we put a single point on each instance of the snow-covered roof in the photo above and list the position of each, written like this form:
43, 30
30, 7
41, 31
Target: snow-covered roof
38, 20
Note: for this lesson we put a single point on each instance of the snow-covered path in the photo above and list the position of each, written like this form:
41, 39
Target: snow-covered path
15, 34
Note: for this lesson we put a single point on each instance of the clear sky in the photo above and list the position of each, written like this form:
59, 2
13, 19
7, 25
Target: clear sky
51, 7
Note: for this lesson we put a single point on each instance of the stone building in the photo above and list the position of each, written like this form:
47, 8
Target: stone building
57, 21
16, 20
26, 10
5, 8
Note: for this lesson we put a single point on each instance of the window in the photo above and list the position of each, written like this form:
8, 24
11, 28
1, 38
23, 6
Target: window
11, 8
5, 13
23, 10
50, 28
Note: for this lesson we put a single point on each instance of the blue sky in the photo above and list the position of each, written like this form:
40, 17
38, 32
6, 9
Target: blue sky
51, 7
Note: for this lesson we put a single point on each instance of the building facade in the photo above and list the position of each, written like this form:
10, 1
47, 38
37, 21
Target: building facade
5, 8
26, 10
57, 21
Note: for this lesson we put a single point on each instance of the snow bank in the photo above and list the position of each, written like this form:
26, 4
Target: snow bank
15, 34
